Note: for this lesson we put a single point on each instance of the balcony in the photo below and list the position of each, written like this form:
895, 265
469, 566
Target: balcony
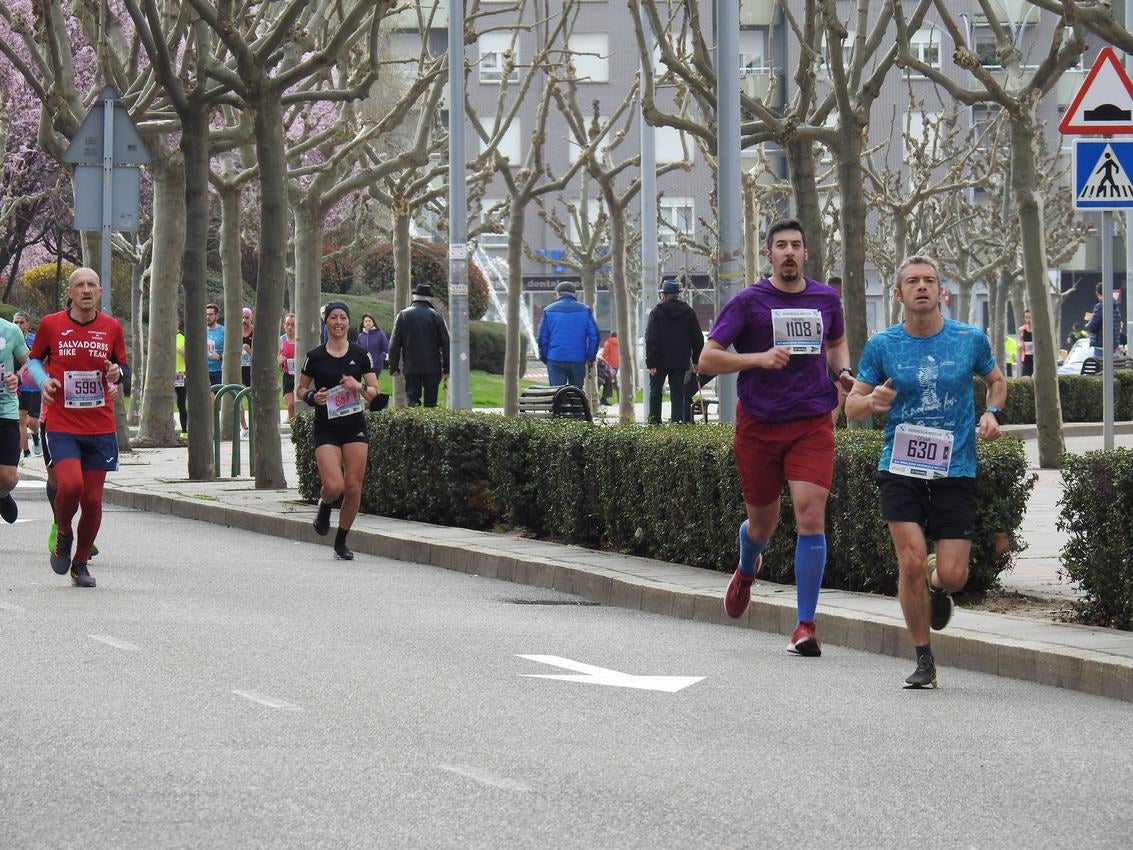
758, 13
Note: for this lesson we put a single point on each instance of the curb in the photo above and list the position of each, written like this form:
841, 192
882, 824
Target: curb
1001, 647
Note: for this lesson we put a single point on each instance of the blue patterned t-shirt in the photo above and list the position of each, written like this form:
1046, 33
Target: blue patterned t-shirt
933, 379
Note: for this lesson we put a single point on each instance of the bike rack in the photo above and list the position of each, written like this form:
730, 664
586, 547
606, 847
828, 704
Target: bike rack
239, 393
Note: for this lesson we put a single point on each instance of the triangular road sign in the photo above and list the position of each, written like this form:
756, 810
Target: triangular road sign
1103, 104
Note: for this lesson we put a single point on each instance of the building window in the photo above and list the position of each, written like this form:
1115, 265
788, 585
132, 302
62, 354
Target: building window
753, 50
575, 147
590, 53
670, 145
675, 216
494, 210
920, 133
924, 44
494, 47
510, 145
984, 46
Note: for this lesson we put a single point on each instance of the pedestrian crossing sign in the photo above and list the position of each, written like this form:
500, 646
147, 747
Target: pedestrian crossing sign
1103, 174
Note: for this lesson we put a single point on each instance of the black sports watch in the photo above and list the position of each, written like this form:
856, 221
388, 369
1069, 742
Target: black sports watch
999, 415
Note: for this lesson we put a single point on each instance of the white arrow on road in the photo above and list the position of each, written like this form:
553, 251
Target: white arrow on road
602, 676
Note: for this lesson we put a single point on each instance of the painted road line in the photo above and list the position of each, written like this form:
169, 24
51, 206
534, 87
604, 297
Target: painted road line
484, 778
29, 484
592, 675
8, 606
269, 701
114, 642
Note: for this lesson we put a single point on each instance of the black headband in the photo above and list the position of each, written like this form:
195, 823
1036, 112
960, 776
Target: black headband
336, 305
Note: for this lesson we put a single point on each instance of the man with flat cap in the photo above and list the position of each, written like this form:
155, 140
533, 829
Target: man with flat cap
673, 341
568, 338
420, 337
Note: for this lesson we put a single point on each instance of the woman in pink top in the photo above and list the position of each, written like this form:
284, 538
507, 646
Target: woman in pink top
287, 363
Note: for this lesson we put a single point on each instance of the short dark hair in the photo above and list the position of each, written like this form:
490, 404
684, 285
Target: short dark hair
834, 281
784, 224
1098, 290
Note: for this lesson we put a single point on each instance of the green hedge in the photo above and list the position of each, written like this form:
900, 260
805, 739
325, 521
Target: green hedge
1081, 398
668, 493
1097, 503
486, 344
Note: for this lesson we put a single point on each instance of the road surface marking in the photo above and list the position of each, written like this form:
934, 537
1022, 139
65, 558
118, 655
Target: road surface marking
602, 676
269, 701
485, 778
114, 642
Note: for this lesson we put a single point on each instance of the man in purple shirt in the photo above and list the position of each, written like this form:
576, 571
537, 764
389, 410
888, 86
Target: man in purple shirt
786, 330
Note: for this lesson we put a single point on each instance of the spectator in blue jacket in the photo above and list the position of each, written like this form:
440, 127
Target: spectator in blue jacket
568, 338
1094, 326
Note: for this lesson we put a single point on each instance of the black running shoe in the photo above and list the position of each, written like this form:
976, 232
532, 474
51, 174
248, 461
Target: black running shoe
61, 556
939, 600
341, 553
322, 520
80, 577
925, 674
8, 510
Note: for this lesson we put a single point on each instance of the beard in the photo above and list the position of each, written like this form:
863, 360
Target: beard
789, 274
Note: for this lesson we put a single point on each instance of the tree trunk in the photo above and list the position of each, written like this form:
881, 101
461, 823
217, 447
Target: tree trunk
808, 209
751, 230
170, 198
270, 283
512, 366
232, 278
1028, 201
998, 316
402, 277
852, 192
137, 355
308, 278
627, 342
194, 283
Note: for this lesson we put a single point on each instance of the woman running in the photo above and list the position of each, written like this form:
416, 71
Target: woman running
287, 363
338, 380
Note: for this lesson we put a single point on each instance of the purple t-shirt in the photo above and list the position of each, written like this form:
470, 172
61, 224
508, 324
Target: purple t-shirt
761, 316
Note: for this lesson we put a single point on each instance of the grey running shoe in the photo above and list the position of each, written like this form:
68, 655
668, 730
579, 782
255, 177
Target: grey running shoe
61, 554
925, 674
939, 600
80, 576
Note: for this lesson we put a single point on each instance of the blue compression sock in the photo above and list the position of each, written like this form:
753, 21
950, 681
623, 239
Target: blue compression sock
749, 552
810, 563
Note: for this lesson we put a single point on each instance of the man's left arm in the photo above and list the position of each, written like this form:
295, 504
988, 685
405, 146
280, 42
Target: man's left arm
838, 359
988, 428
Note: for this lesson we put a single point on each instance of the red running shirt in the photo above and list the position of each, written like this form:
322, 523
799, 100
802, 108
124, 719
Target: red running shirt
71, 351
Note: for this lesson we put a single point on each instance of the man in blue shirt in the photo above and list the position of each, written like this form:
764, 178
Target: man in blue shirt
214, 343
919, 373
568, 338
1094, 326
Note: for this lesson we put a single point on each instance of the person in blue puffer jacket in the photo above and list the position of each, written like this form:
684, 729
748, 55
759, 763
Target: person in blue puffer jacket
568, 338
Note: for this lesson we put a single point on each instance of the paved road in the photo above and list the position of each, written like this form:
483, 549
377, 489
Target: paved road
227, 689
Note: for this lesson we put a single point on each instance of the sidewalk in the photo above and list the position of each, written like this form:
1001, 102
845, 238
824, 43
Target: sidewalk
1093, 660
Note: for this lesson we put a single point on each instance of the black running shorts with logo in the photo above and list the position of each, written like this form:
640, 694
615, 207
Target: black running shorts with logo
288, 383
31, 401
9, 442
339, 432
944, 507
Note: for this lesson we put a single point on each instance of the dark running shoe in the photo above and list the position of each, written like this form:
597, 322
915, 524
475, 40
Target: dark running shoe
925, 674
8, 510
939, 600
61, 554
322, 520
341, 553
804, 641
80, 577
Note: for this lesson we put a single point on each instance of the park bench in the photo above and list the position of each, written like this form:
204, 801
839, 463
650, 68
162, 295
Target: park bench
564, 402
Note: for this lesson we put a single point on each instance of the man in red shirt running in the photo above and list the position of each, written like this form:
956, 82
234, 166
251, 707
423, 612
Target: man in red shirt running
77, 360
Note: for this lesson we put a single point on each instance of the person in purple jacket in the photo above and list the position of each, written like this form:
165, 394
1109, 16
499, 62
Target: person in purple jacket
786, 330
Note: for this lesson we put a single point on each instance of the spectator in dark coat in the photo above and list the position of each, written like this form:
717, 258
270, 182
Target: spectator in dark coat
673, 340
420, 337
1094, 326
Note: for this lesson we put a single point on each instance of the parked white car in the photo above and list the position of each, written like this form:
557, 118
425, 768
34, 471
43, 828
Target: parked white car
1076, 358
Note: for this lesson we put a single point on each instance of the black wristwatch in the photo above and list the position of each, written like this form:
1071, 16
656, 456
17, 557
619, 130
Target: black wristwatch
999, 415
846, 369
